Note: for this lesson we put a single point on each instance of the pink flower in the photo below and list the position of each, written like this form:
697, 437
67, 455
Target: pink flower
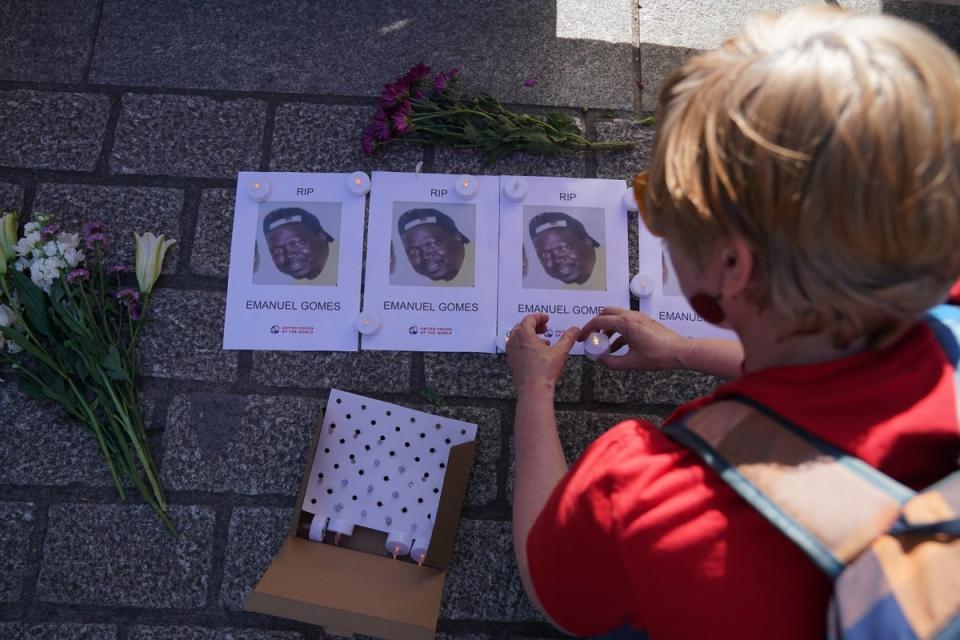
443, 79
116, 267
50, 231
440, 81
530, 82
126, 295
367, 141
417, 73
394, 93
379, 126
401, 119
78, 274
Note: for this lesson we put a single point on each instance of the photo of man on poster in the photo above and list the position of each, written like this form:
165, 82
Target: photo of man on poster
300, 248
435, 248
568, 254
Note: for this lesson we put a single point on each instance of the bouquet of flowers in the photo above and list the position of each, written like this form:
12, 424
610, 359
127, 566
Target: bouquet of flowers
420, 109
69, 326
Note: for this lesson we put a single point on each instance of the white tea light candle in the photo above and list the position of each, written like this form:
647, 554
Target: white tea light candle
258, 189
466, 186
515, 188
596, 345
368, 322
358, 183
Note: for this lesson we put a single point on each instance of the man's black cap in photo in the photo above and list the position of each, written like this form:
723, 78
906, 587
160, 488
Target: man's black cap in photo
557, 220
290, 215
416, 217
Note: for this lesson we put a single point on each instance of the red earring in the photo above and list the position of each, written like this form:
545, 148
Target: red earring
708, 307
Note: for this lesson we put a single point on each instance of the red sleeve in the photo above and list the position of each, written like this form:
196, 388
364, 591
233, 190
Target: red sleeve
573, 549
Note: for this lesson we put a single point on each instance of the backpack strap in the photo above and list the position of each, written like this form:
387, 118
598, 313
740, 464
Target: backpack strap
831, 504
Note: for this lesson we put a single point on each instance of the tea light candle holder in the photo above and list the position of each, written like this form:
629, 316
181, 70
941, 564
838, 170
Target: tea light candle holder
515, 188
258, 189
630, 200
641, 285
368, 322
358, 183
398, 543
596, 345
466, 186
318, 527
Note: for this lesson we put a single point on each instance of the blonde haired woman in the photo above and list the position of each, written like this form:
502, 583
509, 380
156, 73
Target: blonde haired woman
805, 180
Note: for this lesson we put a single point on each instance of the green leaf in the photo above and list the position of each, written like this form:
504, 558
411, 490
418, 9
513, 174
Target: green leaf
34, 303
114, 365
21, 340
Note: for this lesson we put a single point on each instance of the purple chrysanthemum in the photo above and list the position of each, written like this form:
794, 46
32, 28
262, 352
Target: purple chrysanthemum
92, 239
50, 231
367, 142
78, 274
401, 119
127, 295
95, 226
440, 81
116, 267
394, 93
380, 126
135, 310
416, 73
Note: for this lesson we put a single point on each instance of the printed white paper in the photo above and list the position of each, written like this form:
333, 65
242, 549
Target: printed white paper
294, 281
431, 274
667, 304
563, 252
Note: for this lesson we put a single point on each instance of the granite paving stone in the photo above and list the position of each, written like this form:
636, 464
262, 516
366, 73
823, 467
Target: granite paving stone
116, 555
254, 537
942, 19
335, 49
42, 446
649, 387
127, 210
46, 41
479, 375
211, 244
200, 633
578, 430
323, 137
28, 631
482, 486
625, 164
238, 444
183, 337
482, 581
42, 130
188, 136
364, 372
11, 197
707, 25
16, 525
657, 63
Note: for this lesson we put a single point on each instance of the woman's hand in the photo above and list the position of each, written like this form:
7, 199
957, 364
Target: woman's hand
652, 345
534, 363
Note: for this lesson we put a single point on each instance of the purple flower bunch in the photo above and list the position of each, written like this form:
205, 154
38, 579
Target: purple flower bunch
399, 102
95, 233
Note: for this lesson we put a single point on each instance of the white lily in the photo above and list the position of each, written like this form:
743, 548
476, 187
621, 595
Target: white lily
8, 240
150, 252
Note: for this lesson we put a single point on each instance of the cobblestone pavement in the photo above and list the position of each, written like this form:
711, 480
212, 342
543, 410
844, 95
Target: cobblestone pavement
142, 112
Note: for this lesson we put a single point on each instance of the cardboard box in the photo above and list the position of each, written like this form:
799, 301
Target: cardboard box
356, 588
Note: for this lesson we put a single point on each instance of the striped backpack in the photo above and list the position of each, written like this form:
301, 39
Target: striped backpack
893, 553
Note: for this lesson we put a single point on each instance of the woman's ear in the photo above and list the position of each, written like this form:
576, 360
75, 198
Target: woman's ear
736, 263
